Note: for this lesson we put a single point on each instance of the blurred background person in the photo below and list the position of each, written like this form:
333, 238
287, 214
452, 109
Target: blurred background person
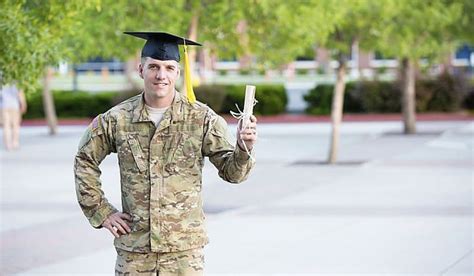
12, 105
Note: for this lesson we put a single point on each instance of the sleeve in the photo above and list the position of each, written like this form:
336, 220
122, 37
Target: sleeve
233, 163
96, 143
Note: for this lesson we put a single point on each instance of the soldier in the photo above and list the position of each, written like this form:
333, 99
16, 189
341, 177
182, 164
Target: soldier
161, 138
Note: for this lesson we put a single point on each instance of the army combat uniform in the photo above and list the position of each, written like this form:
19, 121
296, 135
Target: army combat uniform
160, 175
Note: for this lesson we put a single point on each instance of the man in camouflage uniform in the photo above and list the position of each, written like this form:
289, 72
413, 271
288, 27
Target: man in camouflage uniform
161, 155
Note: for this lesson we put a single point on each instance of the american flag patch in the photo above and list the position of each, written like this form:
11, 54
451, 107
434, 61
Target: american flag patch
95, 122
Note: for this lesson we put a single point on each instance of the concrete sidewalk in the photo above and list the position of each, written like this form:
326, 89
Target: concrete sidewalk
301, 118
393, 205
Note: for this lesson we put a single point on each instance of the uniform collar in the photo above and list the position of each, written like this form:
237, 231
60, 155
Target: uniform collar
175, 112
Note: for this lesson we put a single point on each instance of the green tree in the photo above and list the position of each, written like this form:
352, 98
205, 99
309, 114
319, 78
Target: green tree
279, 31
32, 39
462, 29
100, 31
419, 29
357, 21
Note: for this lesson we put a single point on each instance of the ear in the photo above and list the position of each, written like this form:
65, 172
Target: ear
179, 73
140, 70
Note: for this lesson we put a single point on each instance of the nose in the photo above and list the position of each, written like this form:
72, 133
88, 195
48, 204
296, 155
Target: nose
160, 74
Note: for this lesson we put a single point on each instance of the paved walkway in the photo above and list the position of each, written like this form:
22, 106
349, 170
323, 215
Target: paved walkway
393, 205
303, 118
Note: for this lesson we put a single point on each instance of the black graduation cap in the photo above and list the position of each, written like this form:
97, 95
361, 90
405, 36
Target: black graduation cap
162, 46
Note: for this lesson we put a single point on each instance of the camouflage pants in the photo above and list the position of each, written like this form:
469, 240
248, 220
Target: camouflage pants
183, 263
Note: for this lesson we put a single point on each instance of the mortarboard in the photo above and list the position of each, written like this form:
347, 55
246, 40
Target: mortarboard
164, 46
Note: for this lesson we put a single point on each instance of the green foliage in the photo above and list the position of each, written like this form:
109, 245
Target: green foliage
72, 104
234, 94
319, 99
222, 72
212, 95
418, 28
217, 27
100, 32
279, 30
468, 101
245, 72
358, 21
33, 34
221, 98
463, 28
321, 70
377, 96
444, 94
381, 70
36, 33
272, 99
302, 71
261, 71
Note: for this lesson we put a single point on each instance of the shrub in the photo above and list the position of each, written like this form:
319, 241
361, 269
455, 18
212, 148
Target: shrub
234, 94
321, 70
222, 72
302, 71
468, 101
122, 96
447, 94
379, 96
261, 71
444, 93
320, 99
212, 95
423, 90
72, 104
245, 72
381, 70
272, 99
35, 106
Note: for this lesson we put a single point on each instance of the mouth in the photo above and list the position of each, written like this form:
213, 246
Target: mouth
160, 84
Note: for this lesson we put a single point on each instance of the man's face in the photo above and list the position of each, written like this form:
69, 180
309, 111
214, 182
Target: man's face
159, 76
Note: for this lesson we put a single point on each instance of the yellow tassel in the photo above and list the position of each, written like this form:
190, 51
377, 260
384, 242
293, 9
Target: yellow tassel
187, 78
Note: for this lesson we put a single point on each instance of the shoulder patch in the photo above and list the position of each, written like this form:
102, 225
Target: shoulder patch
86, 137
91, 131
95, 123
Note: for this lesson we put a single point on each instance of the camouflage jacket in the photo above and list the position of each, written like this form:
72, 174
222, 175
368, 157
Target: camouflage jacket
160, 171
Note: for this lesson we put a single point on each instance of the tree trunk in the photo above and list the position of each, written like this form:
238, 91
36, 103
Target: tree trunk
48, 102
192, 35
205, 66
337, 107
408, 97
75, 76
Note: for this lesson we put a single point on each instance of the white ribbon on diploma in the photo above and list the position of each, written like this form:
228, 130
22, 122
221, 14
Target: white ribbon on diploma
243, 117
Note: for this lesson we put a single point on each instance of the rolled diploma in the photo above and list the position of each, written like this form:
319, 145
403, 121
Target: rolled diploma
248, 104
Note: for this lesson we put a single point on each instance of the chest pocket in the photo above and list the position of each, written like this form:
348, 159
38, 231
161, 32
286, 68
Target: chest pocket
137, 152
190, 147
185, 148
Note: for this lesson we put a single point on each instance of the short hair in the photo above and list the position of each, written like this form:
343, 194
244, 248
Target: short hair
143, 60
